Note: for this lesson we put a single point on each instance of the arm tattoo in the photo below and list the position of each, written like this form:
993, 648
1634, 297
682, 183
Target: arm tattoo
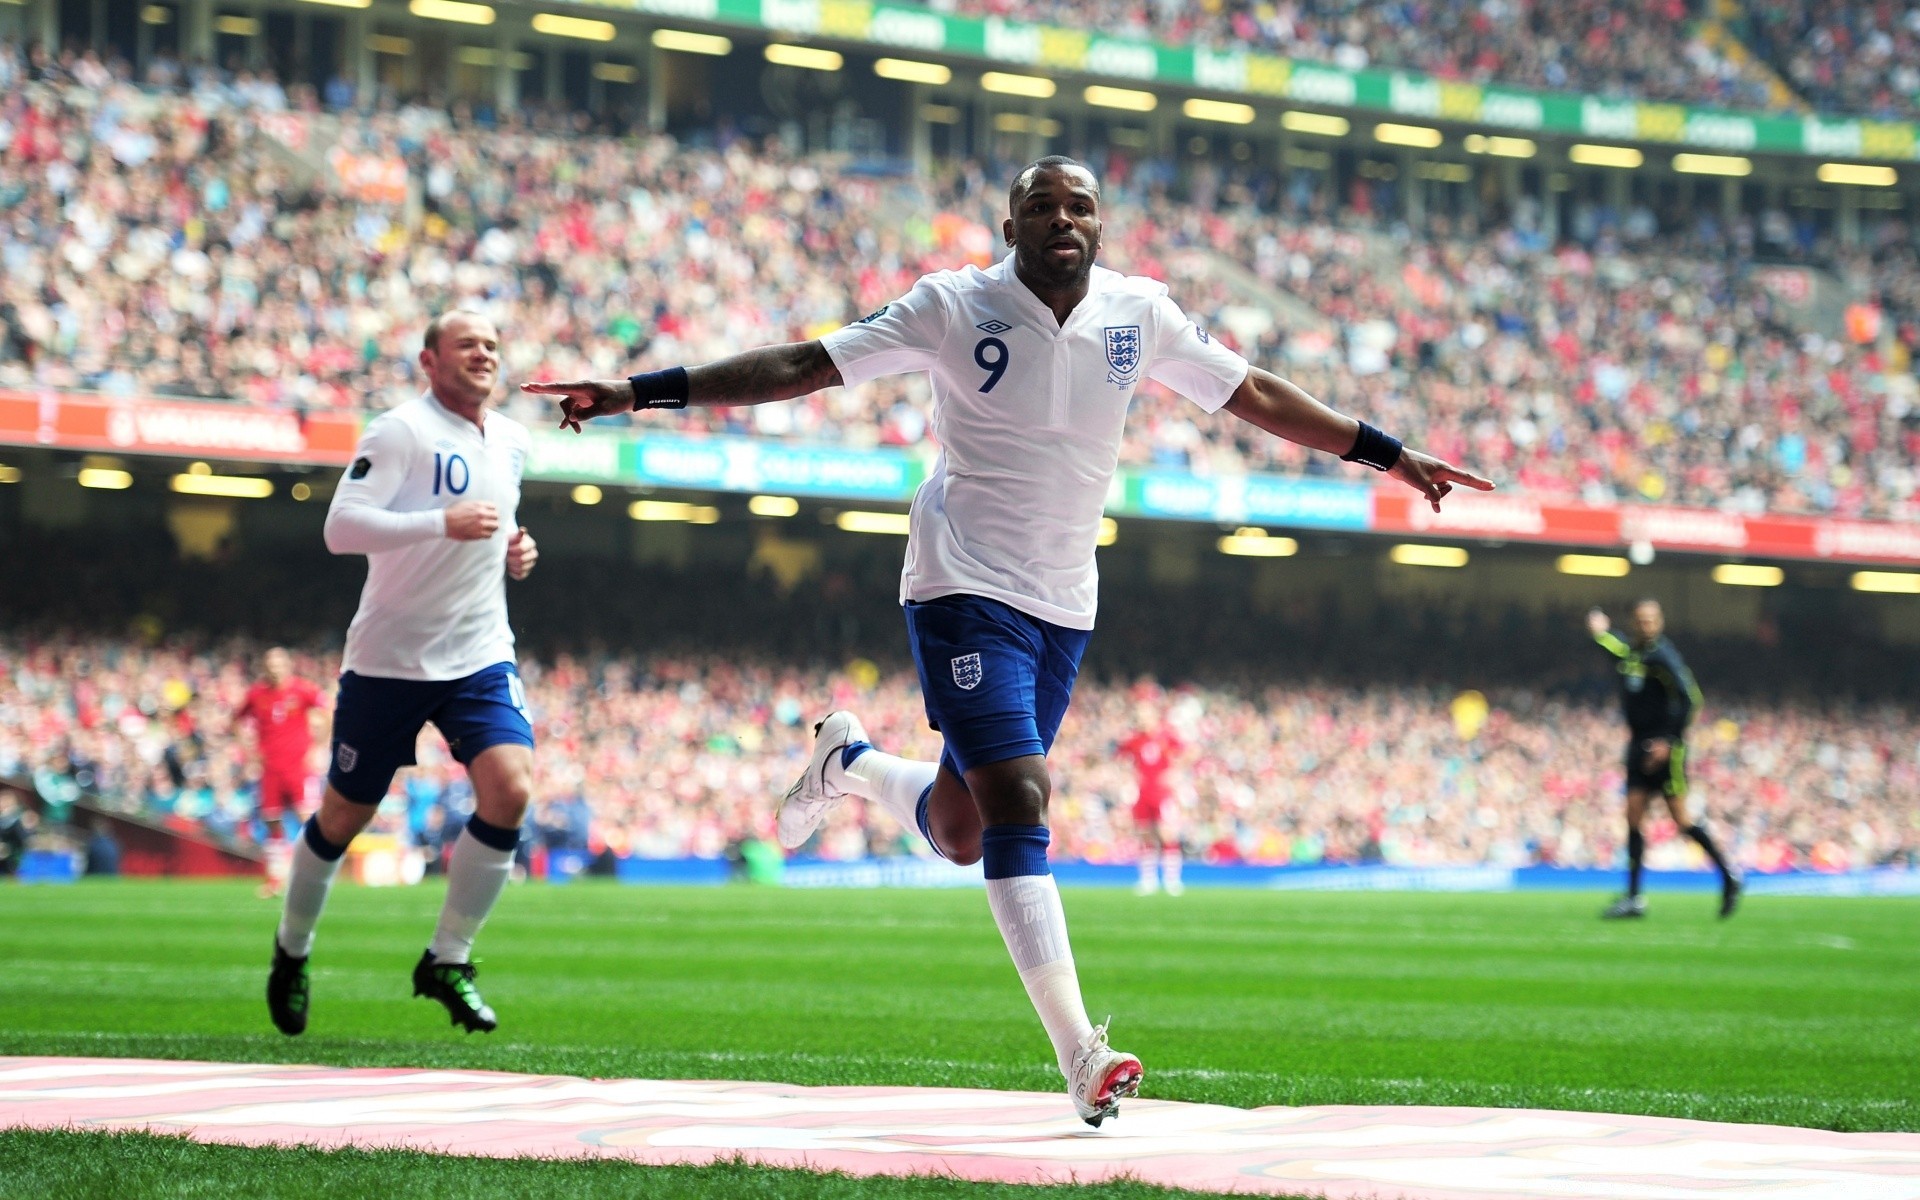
758, 376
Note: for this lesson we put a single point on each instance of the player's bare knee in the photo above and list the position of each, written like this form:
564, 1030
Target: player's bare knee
340, 819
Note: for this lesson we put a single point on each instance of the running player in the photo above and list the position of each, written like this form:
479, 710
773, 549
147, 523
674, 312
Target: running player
430, 500
278, 707
1153, 749
1659, 699
1034, 361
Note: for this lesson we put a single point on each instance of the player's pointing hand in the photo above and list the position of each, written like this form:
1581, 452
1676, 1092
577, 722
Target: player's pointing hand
1432, 477
585, 399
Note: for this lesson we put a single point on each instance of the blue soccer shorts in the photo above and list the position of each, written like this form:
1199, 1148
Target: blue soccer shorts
996, 681
376, 722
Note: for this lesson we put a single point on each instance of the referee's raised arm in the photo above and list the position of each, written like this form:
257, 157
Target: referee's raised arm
760, 376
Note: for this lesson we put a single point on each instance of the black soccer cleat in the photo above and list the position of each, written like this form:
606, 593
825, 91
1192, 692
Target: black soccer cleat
1626, 908
1730, 895
287, 992
452, 985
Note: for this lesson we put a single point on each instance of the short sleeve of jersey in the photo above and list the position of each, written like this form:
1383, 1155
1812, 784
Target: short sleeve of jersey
1188, 360
901, 337
381, 460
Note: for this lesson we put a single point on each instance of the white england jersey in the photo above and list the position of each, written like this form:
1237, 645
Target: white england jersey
1029, 415
433, 607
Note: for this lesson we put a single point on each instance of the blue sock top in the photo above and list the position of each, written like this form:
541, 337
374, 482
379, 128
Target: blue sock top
851, 751
1008, 851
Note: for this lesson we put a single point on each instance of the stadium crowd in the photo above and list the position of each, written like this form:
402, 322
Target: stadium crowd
1646, 49
1861, 59
681, 754
153, 244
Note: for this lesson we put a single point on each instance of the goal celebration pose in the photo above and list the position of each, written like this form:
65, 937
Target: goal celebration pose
430, 500
1034, 361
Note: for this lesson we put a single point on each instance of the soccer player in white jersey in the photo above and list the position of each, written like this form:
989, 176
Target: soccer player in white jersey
1033, 361
430, 500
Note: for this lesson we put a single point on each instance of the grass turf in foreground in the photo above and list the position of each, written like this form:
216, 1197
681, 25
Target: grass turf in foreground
1799, 1011
104, 1166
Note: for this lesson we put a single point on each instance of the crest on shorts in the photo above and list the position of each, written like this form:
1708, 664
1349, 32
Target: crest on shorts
1123, 352
967, 672
346, 758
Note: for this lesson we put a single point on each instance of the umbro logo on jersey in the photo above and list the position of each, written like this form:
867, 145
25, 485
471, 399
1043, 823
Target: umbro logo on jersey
967, 672
994, 327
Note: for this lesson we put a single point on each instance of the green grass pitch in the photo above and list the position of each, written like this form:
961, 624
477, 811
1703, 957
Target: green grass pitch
1798, 1011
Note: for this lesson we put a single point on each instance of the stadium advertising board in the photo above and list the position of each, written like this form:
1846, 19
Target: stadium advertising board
187, 428
1050, 48
248, 433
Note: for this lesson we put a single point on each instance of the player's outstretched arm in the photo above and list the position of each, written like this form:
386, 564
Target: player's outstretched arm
1271, 403
753, 377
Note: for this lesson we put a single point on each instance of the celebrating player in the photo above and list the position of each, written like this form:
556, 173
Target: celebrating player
1034, 361
277, 706
1659, 698
1153, 749
430, 500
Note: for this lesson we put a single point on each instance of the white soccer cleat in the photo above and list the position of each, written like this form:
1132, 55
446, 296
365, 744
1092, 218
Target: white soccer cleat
811, 797
1100, 1077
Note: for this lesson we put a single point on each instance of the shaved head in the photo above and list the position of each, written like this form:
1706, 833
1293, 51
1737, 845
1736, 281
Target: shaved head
1023, 182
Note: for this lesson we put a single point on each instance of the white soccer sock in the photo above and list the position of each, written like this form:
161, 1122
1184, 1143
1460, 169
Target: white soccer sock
308, 883
474, 882
1148, 880
1027, 909
895, 784
1170, 868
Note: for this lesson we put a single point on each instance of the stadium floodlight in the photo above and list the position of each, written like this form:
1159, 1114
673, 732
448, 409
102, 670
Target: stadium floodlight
156, 14
231, 487
1606, 566
1034, 87
615, 72
773, 506
1732, 165
587, 493
234, 26
1013, 122
1131, 99
555, 25
1748, 575
673, 510
1418, 554
1905, 583
1253, 542
1589, 155
811, 58
898, 524
344, 3
388, 44
1224, 111
1499, 147
1420, 137
907, 70
692, 43
1857, 174
458, 11
9, 474
1322, 124
1109, 532
104, 478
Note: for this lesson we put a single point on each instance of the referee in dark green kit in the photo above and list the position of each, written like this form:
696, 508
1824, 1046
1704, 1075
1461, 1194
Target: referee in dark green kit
1659, 698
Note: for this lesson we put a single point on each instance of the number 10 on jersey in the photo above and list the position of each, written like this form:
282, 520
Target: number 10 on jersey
453, 472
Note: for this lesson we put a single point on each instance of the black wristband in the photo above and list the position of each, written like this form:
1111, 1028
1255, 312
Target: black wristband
660, 389
1373, 448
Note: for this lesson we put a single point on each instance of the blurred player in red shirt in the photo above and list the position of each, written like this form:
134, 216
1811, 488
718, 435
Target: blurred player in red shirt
278, 708
1154, 749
